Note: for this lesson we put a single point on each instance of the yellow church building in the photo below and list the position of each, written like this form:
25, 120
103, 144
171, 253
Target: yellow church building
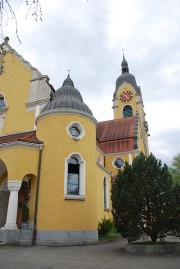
57, 162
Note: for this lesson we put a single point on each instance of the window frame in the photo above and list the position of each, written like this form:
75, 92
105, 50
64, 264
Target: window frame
131, 111
81, 162
78, 127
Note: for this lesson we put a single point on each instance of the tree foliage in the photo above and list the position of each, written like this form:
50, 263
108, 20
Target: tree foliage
145, 200
104, 226
175, 169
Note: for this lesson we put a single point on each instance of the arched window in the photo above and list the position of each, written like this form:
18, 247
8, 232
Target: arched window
74, 187
127, 111
73, 176
106, 194
2, 102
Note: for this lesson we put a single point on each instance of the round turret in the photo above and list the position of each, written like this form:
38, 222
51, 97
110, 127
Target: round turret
67, 97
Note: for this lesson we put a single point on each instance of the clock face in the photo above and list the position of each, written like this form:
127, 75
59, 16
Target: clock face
126, 96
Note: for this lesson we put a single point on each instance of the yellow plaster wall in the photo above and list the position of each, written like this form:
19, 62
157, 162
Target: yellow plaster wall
54, 212
20, 162
14, 85
100, 194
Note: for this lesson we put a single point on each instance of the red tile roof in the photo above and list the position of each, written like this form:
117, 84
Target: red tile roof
116, 135
23, 137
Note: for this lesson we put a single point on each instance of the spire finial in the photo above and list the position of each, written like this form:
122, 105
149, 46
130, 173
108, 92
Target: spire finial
123, 54
68, 80
69, 73
124, 64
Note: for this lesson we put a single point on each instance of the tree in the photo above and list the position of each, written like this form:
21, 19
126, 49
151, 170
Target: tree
175, 169
145, 200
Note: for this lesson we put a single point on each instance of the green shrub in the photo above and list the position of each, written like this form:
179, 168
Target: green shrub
104, 227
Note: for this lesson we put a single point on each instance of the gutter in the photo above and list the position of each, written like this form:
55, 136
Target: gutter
37, 197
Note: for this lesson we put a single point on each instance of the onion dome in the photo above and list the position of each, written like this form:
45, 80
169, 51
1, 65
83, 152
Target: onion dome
67, 97
125, 76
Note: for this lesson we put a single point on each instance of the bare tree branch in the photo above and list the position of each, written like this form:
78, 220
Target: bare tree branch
7, 12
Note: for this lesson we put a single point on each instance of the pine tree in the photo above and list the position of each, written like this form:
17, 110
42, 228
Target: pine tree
145, 200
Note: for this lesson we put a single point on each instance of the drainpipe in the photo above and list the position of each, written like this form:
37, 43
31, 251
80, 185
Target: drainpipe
37, 196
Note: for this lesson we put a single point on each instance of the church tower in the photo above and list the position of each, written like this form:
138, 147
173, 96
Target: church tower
128, 102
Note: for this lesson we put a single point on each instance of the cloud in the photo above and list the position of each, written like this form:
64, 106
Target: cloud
165, 145
87, 38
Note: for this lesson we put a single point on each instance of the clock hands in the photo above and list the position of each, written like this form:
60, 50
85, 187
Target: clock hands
126, 96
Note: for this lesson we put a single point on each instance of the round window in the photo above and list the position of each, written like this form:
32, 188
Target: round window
119, 162
75, 130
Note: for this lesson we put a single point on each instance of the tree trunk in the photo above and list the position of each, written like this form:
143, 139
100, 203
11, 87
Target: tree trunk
154, 237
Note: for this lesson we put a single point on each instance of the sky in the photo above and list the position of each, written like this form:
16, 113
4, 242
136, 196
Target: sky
87, 37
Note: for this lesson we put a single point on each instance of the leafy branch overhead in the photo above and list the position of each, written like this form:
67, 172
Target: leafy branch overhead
7, 13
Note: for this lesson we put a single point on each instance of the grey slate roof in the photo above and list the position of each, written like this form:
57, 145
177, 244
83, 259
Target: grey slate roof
67, 97
128, 78
125, 77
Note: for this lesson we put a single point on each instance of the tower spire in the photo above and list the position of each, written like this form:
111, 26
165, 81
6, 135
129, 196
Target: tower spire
124, 64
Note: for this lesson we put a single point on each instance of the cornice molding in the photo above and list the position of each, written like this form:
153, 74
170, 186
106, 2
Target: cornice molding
37, 102
20, 144
9, 49
64, 111
123, 152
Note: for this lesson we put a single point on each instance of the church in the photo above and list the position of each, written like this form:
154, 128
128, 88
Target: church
57, 162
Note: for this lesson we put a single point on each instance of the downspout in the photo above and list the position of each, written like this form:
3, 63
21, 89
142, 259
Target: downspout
37, 196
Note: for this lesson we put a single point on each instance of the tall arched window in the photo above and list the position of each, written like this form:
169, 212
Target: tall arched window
127, 111
74, 181
73, 176
106, 194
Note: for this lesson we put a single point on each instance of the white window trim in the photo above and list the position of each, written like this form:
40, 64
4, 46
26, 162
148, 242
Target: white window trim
81, 195
79, 127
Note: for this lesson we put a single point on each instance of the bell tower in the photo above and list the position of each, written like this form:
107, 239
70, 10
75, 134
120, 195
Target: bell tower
128, 102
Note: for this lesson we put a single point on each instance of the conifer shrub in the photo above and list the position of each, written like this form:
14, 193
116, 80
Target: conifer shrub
104, 227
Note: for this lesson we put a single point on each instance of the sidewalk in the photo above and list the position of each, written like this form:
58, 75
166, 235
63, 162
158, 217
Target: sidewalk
108, 255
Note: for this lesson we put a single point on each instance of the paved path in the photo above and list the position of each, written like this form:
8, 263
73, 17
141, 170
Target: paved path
109, 255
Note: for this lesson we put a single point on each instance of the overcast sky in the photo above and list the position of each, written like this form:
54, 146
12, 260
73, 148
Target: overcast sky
87, 37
